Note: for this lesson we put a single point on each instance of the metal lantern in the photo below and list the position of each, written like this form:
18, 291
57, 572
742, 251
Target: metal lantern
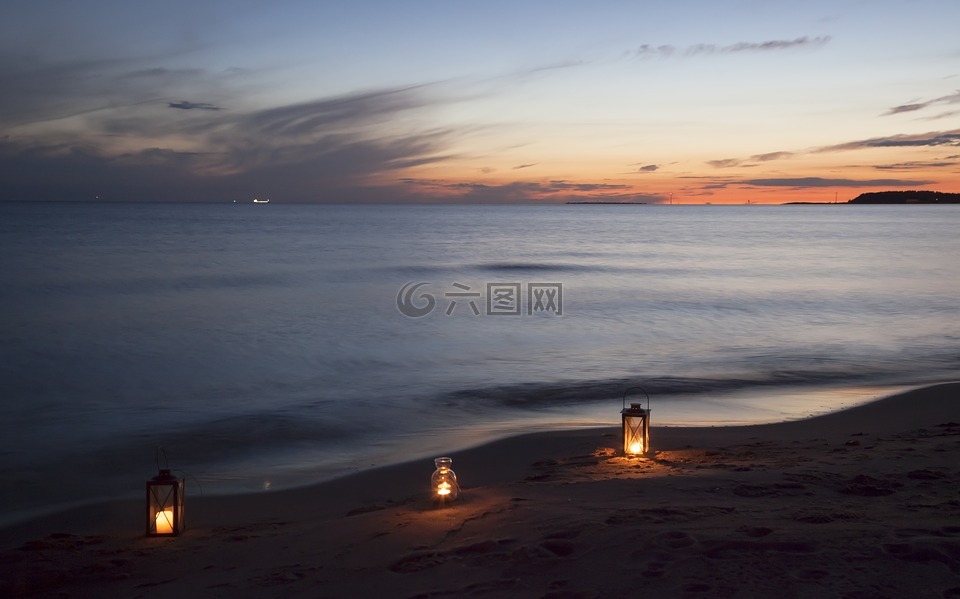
164, 503
636, 426
443, 483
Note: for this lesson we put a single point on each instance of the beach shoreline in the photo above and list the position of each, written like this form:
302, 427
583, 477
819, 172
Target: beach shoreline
824, 504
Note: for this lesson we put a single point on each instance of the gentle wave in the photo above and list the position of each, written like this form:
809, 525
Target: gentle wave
540, 266
539, 395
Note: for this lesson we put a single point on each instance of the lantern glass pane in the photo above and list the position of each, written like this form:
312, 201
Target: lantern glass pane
165, 507
633, 438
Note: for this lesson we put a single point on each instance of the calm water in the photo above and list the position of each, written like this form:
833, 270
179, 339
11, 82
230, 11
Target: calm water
263, 346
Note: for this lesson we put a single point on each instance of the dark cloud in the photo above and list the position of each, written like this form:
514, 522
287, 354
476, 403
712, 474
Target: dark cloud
36, 91
649, 168
352, 110
666, 50
331, 144
907, 108
193, 106
953, 98
933, 138
330, 169
803, 182
82, 172
520, 166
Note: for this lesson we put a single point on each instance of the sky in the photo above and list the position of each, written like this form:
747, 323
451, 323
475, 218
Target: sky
688, 101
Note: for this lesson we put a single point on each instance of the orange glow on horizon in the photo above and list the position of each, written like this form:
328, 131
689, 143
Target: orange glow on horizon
814, 177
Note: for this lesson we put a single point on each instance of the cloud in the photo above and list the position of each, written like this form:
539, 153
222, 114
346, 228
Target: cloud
566, 185
308, 118
942, 115
776, 45
724, 163
520, 166
909, 166
734, 162
39, 91
667, 51
648, 51
771, 156
933, 138
333, 169
803, 182
907, 108
557, 191
649, 168
193, 106
311, 151
953, 98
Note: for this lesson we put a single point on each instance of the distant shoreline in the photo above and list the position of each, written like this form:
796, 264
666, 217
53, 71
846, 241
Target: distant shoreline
897, 197
870, 198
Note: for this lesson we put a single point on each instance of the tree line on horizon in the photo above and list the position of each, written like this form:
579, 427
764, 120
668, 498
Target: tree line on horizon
906, 197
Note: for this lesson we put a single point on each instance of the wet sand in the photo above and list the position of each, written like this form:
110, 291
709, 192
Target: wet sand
859, 503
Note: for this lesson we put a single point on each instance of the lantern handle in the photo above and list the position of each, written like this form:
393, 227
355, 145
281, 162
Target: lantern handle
165, 462
625, 393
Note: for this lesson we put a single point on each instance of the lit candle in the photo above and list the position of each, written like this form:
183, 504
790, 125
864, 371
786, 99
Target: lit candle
444, 481
164, 522
636, 448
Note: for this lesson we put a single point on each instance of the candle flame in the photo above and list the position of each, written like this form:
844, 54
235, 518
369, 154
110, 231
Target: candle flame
635, 447
443, 489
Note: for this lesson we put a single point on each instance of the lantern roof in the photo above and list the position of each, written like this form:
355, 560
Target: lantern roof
165, 475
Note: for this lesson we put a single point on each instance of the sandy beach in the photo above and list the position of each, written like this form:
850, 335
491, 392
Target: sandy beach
859, 503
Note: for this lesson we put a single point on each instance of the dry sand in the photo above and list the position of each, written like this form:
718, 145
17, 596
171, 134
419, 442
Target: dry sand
860, 503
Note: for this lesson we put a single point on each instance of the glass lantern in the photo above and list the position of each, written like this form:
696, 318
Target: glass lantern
165, 505
636, 427
443, 484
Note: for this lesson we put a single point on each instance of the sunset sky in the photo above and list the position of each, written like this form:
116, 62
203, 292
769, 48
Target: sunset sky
718, 101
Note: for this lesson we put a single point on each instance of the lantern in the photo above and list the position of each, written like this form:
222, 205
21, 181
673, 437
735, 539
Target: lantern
164, 505
443, 484
636, 426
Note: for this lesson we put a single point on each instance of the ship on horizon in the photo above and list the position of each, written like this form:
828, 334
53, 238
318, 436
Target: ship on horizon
259, 201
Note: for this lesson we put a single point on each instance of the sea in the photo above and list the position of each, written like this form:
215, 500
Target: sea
256, 347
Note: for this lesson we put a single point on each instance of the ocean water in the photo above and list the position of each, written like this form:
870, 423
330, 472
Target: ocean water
266, 346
